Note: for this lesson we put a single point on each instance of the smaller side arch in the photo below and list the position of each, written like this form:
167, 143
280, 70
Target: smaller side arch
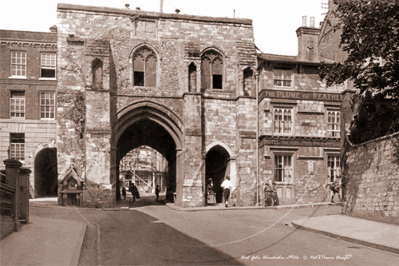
232, 164
223, 145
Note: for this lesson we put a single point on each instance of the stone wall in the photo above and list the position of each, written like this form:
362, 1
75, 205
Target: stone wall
371, 173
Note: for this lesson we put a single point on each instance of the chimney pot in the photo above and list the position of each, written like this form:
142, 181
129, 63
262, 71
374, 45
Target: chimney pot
312, 22
304, 18
53, 28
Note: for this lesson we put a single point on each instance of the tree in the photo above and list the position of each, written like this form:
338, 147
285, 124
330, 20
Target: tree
370, 37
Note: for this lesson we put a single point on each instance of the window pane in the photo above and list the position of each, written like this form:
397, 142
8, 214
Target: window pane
217, 82
138, 63
205, 73
138, 78
217, 66
151, 71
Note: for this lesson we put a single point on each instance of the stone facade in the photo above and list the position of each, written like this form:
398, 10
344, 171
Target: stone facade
299, 123
372, 178
192, 96
23, 95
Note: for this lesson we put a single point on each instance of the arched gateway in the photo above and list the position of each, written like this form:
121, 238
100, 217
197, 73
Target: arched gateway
151, 124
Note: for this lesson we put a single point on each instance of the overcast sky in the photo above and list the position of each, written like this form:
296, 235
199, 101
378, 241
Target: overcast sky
274, 21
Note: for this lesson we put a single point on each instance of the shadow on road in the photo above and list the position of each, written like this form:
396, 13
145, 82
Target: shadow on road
134, 237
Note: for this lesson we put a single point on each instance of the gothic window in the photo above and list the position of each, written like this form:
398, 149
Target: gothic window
97, 69
192, 78
248, 81
211, 70
144, 68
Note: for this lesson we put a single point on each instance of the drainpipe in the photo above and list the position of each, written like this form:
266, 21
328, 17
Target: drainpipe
257, 133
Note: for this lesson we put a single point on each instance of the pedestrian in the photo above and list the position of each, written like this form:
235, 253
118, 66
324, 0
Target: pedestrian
211, 193
157, 189
335, 187
124, 193
135, 192
226, 185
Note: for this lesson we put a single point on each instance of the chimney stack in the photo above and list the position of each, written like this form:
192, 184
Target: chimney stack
304, 18
308, 39
312, 22
53, 28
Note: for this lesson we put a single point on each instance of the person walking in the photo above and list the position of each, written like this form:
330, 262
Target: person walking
226, 185
124, 192
157, 189
211, 193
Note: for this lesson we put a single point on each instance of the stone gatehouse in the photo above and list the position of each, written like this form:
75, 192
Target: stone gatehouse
182, 85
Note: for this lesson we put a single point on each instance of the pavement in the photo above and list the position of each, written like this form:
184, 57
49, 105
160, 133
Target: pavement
59, 242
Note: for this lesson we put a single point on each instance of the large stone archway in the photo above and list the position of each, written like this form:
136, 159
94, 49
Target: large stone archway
153, 125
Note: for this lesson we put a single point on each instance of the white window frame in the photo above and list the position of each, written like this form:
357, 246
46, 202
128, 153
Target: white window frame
17, 103
333, 167
18, 59
48, 108
285, 77
333, 125
17, 149
46, 63
285, 124
287, 167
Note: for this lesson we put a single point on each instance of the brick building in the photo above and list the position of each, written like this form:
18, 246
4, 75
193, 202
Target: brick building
183, 85
300, 122
28, 126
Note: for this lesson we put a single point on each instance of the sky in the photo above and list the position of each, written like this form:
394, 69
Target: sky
274, 21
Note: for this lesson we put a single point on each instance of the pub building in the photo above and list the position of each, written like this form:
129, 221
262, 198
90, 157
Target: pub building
299, 123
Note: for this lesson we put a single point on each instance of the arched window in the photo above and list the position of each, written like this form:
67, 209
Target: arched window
97, 70
211, 70
144, 68
192, 78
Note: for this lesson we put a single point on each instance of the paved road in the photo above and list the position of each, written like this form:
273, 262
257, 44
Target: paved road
158, 235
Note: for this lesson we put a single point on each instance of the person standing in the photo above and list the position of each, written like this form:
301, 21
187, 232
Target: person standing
135, 192
157, 189
226, 185
211, 193
335, 188
124, 193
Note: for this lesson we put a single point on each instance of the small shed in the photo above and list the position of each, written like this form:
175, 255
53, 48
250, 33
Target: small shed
71, 188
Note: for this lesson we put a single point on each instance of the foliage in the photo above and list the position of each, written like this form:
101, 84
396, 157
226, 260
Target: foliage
370, 38
376, 117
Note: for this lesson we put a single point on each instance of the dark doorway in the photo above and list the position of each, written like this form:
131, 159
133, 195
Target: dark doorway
217, 160
46, 182
151, 134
